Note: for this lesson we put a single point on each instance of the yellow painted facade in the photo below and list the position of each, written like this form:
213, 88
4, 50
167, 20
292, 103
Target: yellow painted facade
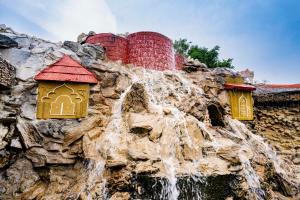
241, 104
62, 100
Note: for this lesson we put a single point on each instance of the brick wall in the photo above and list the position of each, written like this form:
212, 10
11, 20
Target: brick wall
179, 60
116, 46
146, 49
151, 50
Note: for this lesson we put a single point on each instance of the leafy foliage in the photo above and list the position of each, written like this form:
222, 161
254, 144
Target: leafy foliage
208, 56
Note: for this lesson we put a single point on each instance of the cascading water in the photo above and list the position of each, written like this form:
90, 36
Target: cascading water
159, 89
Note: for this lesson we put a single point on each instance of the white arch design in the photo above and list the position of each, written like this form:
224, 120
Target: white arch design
64, 84
243, 112
62, 106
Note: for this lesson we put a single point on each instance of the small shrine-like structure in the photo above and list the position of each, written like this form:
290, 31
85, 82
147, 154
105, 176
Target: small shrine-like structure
63, 90
240, 96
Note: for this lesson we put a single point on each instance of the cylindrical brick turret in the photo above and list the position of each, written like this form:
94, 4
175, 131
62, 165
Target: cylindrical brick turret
179, 60
116, 46
151, 50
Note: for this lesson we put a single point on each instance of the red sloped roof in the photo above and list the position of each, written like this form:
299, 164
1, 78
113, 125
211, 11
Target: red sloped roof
238, 86
66, 69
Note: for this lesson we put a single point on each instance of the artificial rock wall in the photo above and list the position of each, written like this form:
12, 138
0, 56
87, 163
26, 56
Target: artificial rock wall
146, 49
277, 118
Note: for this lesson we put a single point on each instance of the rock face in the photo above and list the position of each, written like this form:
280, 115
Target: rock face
148, 135
7, 74
6, 42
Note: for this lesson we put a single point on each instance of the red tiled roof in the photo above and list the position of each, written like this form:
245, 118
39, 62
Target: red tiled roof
283, 86
66, 69
238, 86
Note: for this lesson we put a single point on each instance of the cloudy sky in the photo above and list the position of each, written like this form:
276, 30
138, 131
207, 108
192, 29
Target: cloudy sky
262, 35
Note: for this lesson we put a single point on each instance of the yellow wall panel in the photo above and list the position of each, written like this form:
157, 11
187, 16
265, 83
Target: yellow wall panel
241, 104
62, 100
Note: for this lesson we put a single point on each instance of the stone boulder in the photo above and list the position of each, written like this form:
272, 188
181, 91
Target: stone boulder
7, 42
143, 149
136, 99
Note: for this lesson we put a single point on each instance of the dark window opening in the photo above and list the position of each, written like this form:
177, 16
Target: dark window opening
216, 115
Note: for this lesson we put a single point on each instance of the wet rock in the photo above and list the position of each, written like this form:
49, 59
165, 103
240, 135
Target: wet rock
77, 132
146, 168
120, 196
136, 99
144, 123
229, 153
189, 187
143, 149
7, 42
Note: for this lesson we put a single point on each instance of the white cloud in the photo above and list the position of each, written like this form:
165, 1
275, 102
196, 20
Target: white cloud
66, 19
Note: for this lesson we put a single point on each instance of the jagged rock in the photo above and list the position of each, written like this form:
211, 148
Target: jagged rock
3, 132
229, 153
28, 133
7, 42
5, 157
74, 46
22, 176
40, 157
146, 168
75, 133
16, 143
116, 163
143, 149
120, 196
136, 99
7, 74
142, 123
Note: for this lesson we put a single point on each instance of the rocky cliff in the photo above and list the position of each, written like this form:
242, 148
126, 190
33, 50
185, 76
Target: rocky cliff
148, 135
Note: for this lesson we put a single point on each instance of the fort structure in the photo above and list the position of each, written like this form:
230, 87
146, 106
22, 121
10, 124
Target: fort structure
146, 49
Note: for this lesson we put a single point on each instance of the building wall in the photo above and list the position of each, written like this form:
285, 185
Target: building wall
151, 50
145, 49
116, 46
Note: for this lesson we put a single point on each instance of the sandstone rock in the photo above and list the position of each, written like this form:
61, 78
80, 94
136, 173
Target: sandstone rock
156, 131
145, 168
143, 123
116, 163
143, 149
40, 157
136, 99
77, 132
229, 153
120, 196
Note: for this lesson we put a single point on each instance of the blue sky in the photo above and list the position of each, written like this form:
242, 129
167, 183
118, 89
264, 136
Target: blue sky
262, 35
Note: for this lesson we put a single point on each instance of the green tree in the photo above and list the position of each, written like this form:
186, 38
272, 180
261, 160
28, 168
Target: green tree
181, 46
208, 56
